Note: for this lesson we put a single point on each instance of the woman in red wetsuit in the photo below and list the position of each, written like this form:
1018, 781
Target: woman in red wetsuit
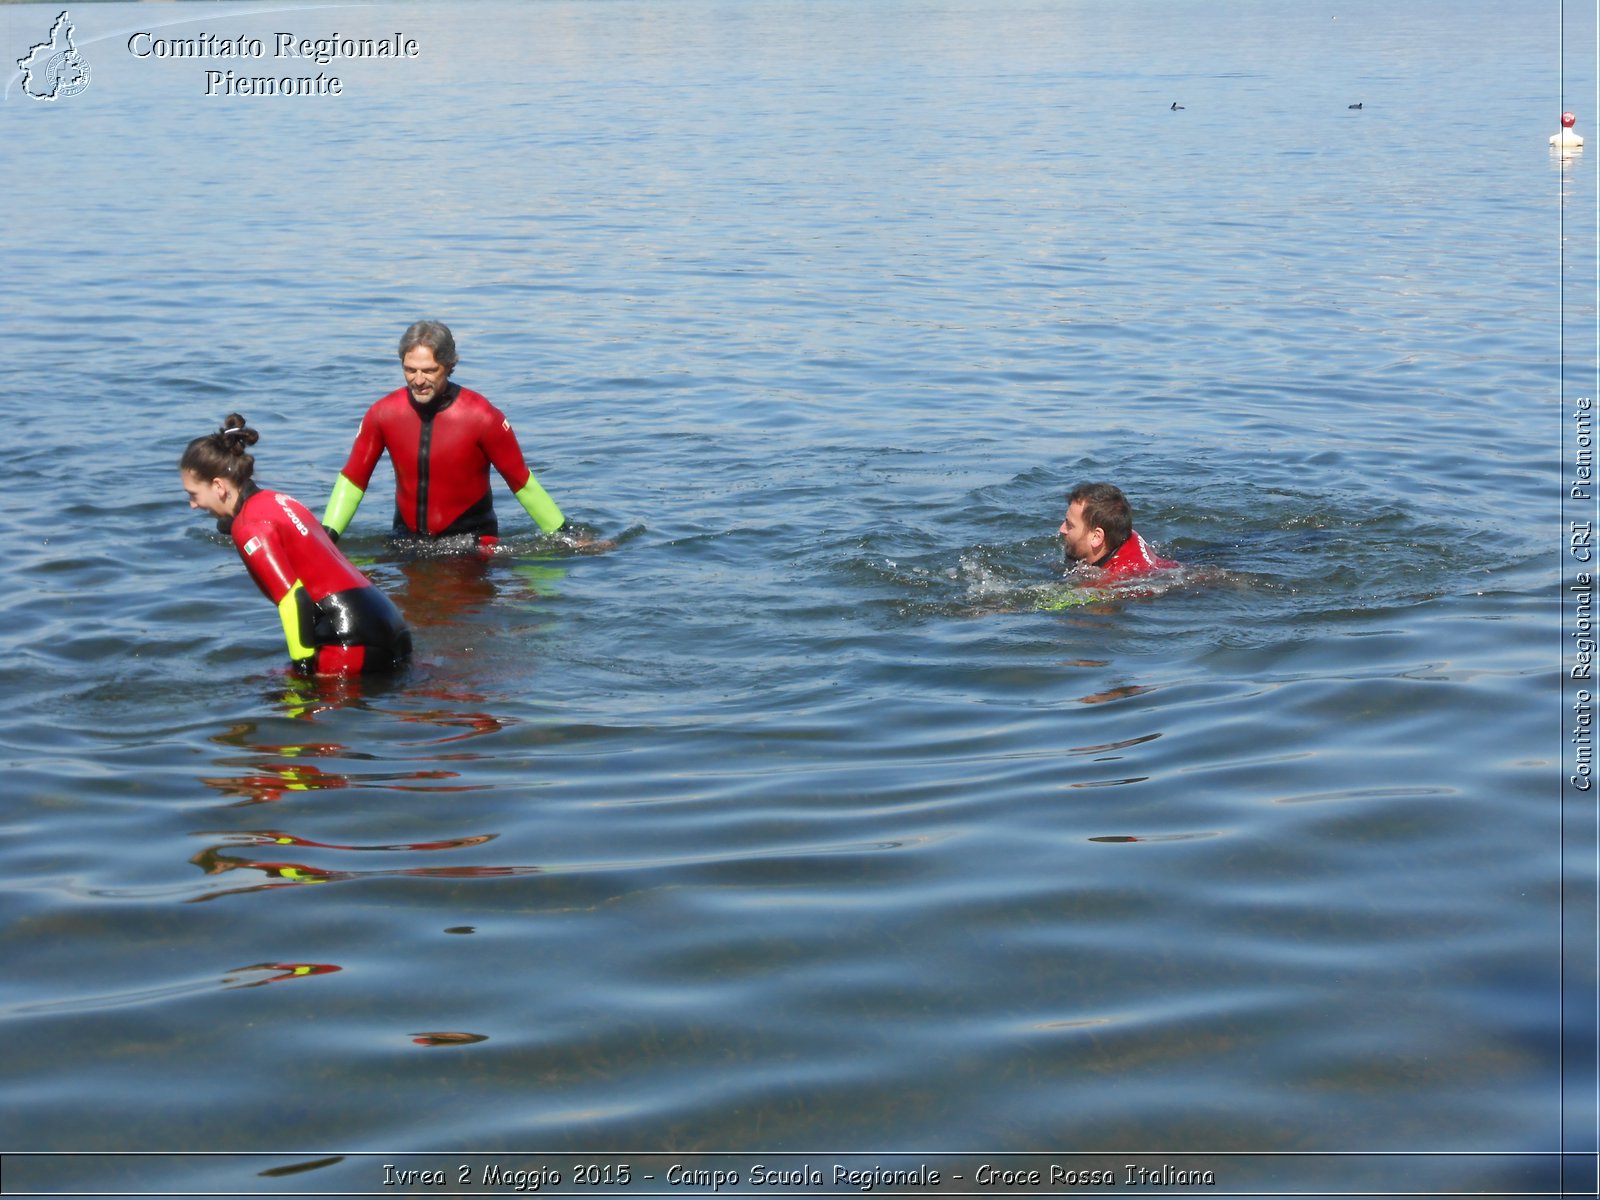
335, 621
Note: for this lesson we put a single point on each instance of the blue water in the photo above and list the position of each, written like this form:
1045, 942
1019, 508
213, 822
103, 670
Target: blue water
789, 825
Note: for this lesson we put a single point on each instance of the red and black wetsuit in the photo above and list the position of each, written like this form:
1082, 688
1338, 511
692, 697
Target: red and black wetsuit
336, 622
441, 452
1133, 557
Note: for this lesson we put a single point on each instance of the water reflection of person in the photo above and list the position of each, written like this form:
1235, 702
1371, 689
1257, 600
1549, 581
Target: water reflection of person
272, 781
302, 697
442, 591
281, 873
213, 861
461, 603
269, 772
447, 590
267, 781
276, 972
334, 620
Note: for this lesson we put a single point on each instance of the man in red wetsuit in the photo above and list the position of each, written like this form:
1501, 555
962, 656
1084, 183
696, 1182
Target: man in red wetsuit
1098, 532
442, 440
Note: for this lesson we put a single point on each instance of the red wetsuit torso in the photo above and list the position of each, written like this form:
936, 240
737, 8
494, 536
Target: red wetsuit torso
352, 625
441, 455
281, 543
1133, 557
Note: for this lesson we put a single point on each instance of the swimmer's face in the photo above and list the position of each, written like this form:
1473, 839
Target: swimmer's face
425, 375
1082, 544
208, 495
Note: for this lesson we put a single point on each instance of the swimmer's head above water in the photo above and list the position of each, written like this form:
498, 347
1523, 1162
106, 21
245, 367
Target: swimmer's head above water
1098, 532
1099, 519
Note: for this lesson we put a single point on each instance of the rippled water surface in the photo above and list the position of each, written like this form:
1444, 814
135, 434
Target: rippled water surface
792, 823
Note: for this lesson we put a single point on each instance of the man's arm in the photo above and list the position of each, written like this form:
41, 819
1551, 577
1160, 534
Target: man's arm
500, 444
539, 506
342, 505
351, 485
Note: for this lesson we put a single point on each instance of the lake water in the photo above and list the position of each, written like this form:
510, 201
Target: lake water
790, 831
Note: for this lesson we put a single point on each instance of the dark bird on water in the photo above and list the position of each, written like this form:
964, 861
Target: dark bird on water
1353, 106
1176, 107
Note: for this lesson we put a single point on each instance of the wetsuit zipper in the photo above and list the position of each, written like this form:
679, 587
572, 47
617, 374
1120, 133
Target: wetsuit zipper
422, 471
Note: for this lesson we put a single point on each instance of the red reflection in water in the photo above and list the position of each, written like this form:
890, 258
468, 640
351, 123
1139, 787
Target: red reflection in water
293, 874
1120, 693
304, 696
270, 781
266, 837
281, 971
453, 714
242, 735
448, 1039
444, 590
267, 781
213, 862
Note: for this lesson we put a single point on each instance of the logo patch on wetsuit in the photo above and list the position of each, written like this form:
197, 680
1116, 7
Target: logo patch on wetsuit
283, 503
252, 545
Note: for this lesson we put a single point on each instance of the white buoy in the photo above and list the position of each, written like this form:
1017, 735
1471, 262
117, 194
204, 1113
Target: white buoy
1568, 138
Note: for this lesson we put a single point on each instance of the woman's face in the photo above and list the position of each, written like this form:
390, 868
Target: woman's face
215, 496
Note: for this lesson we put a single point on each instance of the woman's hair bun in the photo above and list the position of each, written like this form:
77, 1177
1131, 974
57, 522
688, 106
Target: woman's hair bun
236, 435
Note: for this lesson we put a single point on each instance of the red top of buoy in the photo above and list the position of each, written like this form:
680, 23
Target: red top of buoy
1568, 120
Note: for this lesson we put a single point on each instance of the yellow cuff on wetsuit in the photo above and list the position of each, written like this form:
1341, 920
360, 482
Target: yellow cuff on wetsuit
1069, 597
290, 612
342, 505
538, 503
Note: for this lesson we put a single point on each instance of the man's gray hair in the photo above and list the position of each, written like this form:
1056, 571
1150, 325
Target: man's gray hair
436, 336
